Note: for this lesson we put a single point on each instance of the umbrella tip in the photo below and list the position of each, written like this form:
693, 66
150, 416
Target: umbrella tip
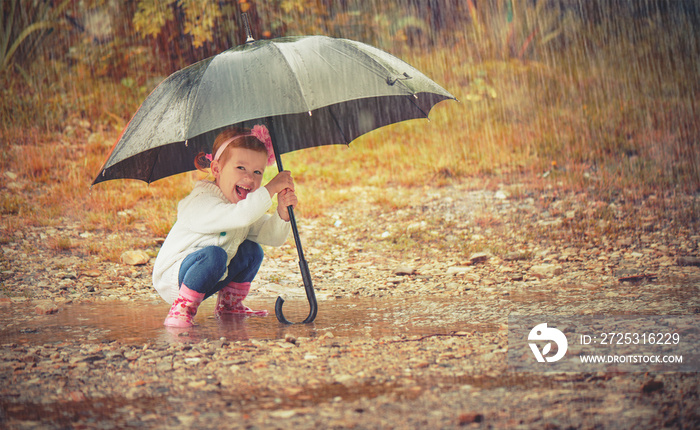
248, 33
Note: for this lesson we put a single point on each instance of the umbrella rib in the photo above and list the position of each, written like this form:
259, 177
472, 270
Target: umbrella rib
337, 124
192, 106
153, 166
300, 87
411, 98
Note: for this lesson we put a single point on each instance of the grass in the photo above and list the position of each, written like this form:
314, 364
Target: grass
611, 113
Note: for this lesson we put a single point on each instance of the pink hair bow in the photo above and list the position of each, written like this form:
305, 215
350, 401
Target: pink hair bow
263, 134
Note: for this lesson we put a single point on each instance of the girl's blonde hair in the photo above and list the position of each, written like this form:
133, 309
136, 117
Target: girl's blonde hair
238, 137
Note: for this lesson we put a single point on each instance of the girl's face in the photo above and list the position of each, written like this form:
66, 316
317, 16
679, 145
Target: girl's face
240, 173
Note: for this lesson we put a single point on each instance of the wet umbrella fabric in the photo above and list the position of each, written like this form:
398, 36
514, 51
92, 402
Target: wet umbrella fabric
309, 91
319, 90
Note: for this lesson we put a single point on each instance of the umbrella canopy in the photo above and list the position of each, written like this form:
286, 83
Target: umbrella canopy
318, 91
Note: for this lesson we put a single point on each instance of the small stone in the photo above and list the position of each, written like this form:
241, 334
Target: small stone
556, 223
625, 241
470, 417
479, 257
66, 275
626, 271
186, 421
546, 270
454, 270
515, 256
293, 391
76, 396
45, 308
220, 343
197, 384
404, 271
688, 261
651, 386
472, 277
135, 258
344, 379
164, 366
283, 414
416, 226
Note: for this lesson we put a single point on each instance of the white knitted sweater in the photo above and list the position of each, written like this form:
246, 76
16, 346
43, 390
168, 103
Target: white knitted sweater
204, 218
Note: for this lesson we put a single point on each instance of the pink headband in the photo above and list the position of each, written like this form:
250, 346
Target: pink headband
261, 133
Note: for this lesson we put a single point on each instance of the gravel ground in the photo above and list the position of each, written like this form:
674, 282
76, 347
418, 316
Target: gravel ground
414, 297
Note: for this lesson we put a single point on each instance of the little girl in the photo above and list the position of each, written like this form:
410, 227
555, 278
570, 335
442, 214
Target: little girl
214, 245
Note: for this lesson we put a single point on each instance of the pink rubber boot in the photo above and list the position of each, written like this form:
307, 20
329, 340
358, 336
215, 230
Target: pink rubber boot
230, 301
184, 308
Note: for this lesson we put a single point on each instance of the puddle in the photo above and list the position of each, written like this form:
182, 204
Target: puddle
142, 322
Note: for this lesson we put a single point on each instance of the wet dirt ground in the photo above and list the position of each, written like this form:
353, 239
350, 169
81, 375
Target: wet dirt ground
363, 364
412, 330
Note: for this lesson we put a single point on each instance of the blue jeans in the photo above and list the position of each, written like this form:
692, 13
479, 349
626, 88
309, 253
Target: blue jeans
202, 269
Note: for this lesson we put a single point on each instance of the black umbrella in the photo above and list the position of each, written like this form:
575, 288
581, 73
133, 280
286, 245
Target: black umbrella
309, 91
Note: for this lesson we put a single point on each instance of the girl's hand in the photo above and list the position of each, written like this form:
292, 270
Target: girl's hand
286, 198
283, 180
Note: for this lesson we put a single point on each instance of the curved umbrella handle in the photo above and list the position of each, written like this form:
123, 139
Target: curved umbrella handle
305, 275
310, 295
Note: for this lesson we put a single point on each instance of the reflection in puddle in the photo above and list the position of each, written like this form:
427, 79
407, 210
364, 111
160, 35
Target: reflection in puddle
142, 322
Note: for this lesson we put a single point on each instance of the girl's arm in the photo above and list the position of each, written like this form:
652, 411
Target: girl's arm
273, 230
270, 230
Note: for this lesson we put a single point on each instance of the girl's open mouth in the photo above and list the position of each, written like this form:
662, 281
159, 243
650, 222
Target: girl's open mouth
242, 192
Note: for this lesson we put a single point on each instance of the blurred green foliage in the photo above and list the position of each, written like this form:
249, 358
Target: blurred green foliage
24, 25
198, 17
180, 32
